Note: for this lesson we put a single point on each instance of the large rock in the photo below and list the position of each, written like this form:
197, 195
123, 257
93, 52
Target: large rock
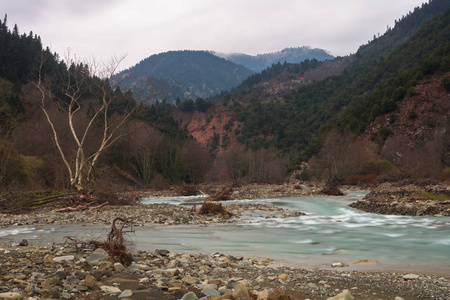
10, 296
91, 282
189, 296
111, 290
345, 295
241, 292
63, 258
98, 255
410, 277
279, 295
126, 294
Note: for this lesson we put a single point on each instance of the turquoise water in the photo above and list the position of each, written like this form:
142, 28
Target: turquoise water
330, 232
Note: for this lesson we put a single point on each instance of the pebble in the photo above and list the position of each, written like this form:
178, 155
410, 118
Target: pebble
110, 290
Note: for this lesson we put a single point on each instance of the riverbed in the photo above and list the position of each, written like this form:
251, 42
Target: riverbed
330, 232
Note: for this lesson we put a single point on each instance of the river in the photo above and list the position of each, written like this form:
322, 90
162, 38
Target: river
330, 232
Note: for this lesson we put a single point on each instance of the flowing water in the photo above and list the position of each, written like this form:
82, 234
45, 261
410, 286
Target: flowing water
330, 232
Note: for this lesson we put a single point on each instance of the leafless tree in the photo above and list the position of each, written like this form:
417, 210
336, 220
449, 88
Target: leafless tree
86, 96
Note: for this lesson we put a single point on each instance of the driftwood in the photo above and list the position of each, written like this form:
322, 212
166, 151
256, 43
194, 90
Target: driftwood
114, 244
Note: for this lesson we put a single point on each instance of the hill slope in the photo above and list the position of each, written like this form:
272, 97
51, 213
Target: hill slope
294, 120
188, 74
259, 62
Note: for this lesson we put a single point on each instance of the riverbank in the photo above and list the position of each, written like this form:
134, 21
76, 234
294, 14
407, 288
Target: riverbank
139, 215
407, 199
60, 272
250, 191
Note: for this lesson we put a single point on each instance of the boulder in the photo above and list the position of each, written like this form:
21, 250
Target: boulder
10, 296
241, 292
126, 294
98, 255
189, 296
111, 290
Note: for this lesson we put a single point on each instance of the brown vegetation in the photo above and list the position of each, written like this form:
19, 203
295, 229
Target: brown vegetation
213, 208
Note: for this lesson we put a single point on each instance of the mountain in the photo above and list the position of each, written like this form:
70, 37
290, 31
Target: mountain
259, 62
187, 74
291, 106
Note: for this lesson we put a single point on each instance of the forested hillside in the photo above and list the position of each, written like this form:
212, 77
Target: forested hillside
137, 144
293, 121
187, 74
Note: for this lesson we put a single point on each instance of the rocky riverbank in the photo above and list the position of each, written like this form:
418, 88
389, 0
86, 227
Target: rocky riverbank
165, 214
410, 199
61, 272
250, 191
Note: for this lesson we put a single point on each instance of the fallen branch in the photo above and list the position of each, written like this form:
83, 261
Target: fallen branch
114, 244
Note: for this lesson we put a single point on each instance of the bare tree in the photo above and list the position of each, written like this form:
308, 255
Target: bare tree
85, 93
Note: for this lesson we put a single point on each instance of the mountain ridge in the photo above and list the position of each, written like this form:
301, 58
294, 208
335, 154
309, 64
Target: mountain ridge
259, 62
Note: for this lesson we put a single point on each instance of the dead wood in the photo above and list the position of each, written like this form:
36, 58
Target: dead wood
114, 244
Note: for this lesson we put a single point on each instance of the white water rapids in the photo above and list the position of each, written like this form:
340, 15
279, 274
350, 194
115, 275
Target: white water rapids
330, 232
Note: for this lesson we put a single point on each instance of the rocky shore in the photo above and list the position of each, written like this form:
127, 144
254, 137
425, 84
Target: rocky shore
412, 200
139, 215
61, 272
251, 191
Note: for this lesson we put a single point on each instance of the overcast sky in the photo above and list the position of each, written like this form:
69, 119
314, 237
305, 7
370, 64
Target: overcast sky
139, 28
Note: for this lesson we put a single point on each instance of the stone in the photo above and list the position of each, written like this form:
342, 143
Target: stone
162, 252
144, 280
10, 296
111, 290
210, 292
23, 243
63, 258
118, 267
50, 282
410, 277
312, 286
215, 281
345, 295
189, 296
241, 293
283, 276
98, 255
337, 265
222, 290
126, 294
279, 295
190, 280
207, 286
398, 298
91, 282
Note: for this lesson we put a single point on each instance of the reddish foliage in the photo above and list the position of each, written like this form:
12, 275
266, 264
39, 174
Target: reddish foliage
213, 208
361, 179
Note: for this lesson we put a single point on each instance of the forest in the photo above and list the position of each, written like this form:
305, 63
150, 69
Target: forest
378, 114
